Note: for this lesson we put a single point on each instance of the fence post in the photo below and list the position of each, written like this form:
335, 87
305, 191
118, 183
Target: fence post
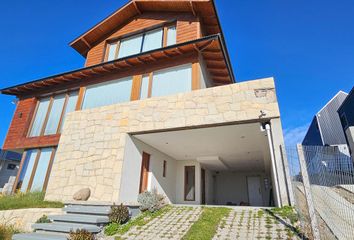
307, 189
287, 175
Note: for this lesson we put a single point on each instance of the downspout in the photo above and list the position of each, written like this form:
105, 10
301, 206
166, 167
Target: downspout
274, 170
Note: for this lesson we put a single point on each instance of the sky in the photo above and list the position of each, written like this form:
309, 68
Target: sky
307, 46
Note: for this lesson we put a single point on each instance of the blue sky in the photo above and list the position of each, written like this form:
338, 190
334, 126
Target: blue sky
308, 46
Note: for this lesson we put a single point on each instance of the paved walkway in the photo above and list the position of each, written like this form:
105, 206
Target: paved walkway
172, 225
245, 223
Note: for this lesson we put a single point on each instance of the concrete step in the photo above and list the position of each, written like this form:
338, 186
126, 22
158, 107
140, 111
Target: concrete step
80, 218
65, 227
39, 236
92, 210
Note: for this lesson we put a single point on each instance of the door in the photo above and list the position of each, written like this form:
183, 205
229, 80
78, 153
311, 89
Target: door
189, 183
203, 186
254, 191
144, 174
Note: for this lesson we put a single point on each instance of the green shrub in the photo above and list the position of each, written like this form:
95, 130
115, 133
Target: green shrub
112, 229
27, 200
151, 201
43, 219
119, 214
6, 231
81, 235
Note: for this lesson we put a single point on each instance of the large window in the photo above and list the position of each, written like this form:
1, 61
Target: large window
142, 42
51, 112
189, 183
167, 82
108, 93
35, 170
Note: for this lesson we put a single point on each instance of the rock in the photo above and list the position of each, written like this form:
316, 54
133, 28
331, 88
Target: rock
82, 195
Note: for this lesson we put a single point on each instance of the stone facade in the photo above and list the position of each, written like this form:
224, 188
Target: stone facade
23, 219
91, 148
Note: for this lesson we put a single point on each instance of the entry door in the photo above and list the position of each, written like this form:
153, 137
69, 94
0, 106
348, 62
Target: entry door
144, 172
254, 191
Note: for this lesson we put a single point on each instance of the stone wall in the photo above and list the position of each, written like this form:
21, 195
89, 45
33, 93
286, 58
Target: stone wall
23, 219
91, 148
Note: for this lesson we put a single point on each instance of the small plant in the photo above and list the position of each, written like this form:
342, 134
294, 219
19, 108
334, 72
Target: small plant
81, 235
119, 214
6, 231
151, 201
111, 229
43, 219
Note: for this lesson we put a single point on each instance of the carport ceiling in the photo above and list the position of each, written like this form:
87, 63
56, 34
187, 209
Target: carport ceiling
241, 147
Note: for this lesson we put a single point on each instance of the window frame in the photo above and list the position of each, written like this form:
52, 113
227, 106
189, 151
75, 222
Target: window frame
185, 183
51, 100
33, 172
118, 40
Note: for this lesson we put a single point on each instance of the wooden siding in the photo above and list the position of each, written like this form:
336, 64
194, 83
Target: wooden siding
187, 29
17, 134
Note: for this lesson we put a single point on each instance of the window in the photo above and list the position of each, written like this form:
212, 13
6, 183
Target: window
51, 112
172, 80
141, 42
108, 93
189, 183
35, 169
11, 166
164, 168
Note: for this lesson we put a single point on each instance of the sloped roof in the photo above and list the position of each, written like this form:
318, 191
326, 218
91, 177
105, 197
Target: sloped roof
205, 9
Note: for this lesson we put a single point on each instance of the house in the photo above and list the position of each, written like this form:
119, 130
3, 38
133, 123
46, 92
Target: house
9, 164
346, 115
325, 128
156, 106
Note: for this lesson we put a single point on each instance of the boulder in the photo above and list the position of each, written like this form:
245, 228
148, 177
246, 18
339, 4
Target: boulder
82, 195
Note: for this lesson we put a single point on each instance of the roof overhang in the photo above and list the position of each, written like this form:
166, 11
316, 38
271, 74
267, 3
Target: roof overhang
205, 9
210, 48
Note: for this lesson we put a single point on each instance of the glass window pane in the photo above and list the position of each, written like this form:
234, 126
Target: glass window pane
172, 81
171, 36
189, 194
27, 168
40, 117
130, 46
70, 106
112, 51
41, 171
152, 40
108, 93
54, 115
144, 90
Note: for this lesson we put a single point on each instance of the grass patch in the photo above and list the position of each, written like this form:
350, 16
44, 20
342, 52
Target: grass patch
206, 226
139, 221
27, 200
286, 212
6, 231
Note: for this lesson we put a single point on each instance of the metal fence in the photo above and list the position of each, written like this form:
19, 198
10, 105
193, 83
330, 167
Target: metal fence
322, 180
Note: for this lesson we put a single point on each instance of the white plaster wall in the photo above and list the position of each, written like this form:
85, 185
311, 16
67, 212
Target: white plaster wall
131, 172
209, 187
180, 181
232, 187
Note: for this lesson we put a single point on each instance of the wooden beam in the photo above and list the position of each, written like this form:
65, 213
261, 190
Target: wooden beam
136, 7
80, 98
195, 76
86, 43
192, 8
136, 86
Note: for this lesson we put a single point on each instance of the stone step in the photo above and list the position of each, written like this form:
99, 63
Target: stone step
80, 218
65, 227
39, 236
92, 210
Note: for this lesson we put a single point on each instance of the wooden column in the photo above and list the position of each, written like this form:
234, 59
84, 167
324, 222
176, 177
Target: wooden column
80, 98
136, 87
195, 76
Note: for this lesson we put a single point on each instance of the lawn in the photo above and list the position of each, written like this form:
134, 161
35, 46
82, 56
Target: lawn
206, 226
27, 200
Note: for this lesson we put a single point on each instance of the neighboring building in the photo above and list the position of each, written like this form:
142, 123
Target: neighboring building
325, 128
155, 107
9, 164
346, 115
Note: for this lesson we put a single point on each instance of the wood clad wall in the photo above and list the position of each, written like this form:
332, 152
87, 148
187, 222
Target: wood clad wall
187, 29
16, 136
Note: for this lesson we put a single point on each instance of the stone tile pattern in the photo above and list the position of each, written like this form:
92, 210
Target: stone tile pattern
23, 219
172, 225
252, 224
91, 148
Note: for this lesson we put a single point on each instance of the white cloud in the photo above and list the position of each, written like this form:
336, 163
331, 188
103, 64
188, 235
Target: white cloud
292, 136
